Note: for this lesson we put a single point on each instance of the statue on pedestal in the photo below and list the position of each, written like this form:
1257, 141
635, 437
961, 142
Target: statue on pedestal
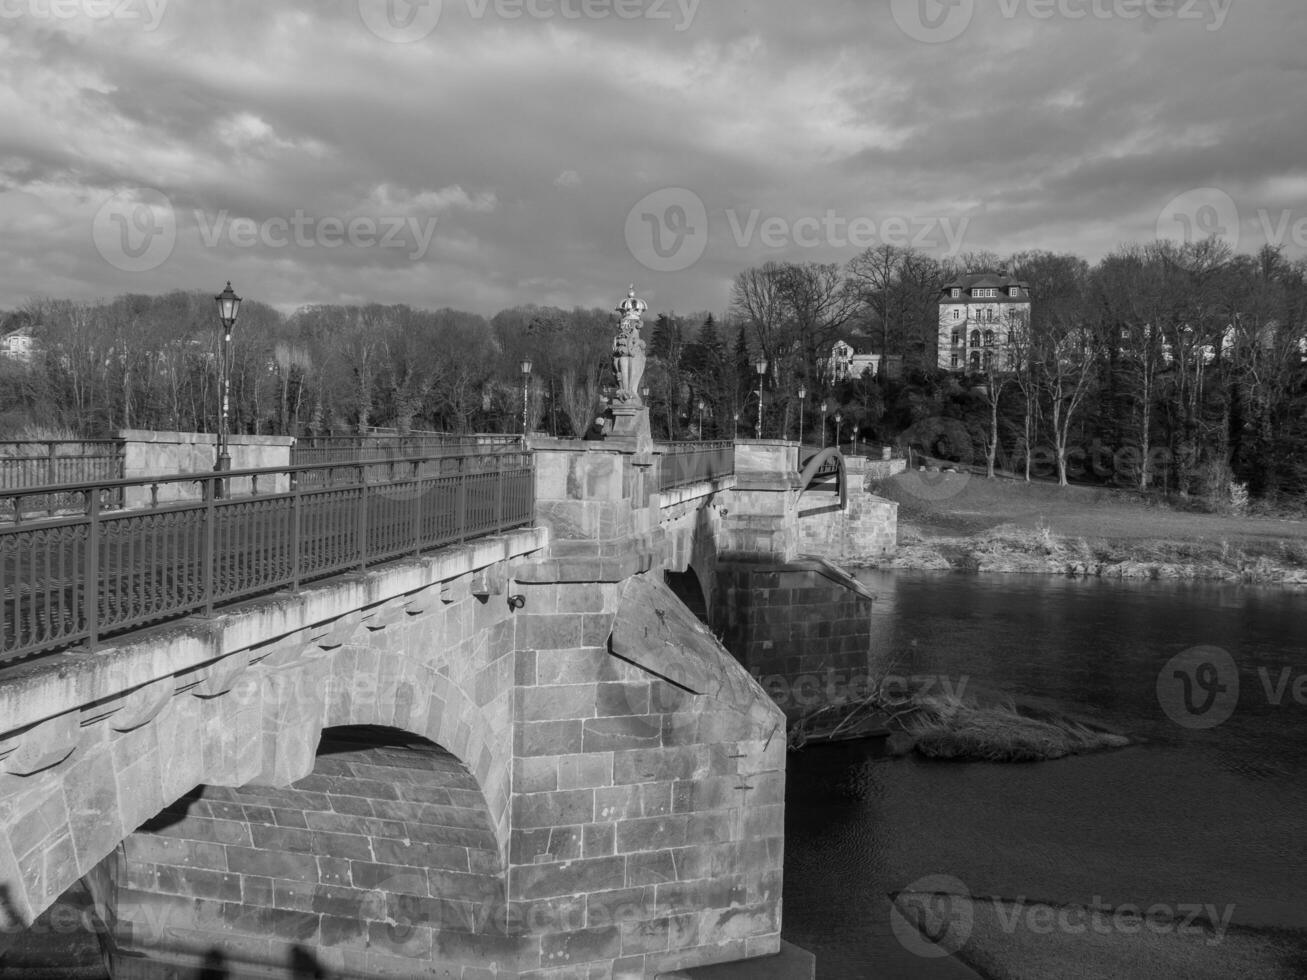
628, 351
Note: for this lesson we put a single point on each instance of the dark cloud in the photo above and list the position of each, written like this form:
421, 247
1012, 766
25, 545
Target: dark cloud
525, 142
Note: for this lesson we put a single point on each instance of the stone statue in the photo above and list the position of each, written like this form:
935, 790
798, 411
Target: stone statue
628, 351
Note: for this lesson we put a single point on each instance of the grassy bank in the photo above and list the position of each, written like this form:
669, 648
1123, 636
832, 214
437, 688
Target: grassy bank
967, 522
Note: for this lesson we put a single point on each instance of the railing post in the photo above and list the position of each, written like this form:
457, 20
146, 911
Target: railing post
460, 496
209, 555
500, 475
50, 475
91, 575
362, 525
415, 509
296, 503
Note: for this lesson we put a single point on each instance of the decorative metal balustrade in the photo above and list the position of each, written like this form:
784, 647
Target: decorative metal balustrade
695, 462
75, 579
313, 450
36, 463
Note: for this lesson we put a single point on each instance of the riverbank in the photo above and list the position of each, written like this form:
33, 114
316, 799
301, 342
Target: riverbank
965, 522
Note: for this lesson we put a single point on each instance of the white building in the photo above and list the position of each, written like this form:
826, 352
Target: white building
977, 314
19, 345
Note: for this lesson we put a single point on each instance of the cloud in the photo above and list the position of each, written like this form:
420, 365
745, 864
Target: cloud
1044, 133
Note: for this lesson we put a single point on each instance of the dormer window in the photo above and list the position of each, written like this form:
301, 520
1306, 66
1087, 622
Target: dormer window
1015, 291
957, 293
985, 293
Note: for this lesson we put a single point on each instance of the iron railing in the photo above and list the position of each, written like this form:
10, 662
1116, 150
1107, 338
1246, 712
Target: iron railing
314, 450
77, 579
46, 462
695, 462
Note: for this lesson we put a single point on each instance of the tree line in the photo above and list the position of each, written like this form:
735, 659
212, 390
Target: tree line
1180, 368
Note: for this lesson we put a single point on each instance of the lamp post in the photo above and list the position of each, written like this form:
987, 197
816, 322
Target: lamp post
229, 305
526, 384
761, 368
735, 432
701, 419
803, 394
838, 419
823, 425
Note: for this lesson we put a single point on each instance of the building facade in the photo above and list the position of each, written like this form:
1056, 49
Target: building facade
978, 313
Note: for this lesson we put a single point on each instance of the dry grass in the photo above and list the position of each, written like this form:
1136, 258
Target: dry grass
951, 728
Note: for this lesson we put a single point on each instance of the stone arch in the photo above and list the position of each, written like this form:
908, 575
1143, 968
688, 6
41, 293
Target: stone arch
384, 857
232, 723
688, 587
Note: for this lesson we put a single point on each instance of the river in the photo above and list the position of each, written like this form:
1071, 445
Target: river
1192, 815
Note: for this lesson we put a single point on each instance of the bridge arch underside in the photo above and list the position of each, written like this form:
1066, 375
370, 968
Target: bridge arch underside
382, 861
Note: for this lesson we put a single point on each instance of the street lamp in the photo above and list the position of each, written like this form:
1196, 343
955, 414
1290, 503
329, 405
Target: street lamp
526, 383
761, 368
701, 418
823, 425
803, 394
838, 419
735, 432
229, 305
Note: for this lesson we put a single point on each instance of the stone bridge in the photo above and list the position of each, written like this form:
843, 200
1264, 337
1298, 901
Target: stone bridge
518, 757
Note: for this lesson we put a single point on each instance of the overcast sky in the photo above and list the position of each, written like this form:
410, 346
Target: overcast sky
487, 153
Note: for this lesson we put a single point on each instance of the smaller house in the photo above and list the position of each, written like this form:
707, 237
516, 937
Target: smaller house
18, 345
851, 358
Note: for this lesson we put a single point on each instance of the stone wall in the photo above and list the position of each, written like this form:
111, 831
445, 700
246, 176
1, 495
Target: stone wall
149, 454
789, 624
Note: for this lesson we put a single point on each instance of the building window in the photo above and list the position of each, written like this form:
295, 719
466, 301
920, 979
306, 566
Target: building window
989, 338
975, 338
957, 293
989, 359
957, 313
957, 338
1014, 291
984, 293
975, 360
957, 360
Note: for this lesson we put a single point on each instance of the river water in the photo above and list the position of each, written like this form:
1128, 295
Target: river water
1212, 814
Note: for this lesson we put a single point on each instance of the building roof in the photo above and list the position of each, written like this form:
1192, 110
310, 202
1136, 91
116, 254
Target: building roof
860, 344
984, 280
